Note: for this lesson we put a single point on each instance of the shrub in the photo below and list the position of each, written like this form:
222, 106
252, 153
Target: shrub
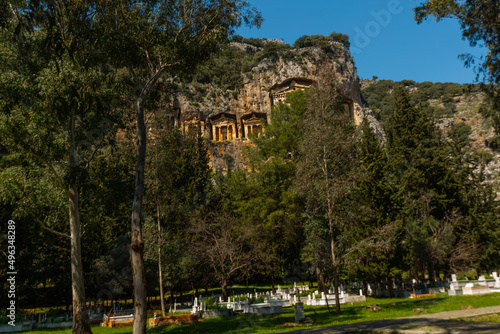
322, 42
341, 38
213, 305
258, 300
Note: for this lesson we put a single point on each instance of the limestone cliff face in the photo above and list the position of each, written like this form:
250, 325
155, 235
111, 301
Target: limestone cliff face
229, 115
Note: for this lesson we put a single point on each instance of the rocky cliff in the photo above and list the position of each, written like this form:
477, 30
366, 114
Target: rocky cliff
451, 105
231, 102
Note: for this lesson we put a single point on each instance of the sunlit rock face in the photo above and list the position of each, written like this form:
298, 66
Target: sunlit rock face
228, 117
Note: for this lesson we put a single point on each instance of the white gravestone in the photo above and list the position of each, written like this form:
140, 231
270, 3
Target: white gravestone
497, 280
482, 280
454, 278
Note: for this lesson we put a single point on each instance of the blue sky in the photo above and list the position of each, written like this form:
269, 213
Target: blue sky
385, 39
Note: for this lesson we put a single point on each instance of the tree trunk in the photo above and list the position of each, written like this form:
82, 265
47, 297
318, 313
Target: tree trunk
336, 288
321, 280
224, 289
332, 233
335, 267
430, 271
160, 273
389, 287
80, 317
171, 301
137, 243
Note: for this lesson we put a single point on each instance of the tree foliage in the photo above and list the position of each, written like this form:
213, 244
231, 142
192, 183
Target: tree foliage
480, 25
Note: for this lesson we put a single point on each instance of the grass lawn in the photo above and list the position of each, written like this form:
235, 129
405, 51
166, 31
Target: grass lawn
246, 323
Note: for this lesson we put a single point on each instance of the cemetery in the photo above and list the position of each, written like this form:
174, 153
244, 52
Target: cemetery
293, 299
236, 312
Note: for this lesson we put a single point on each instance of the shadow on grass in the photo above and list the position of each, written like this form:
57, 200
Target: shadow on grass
241, 323
95, 330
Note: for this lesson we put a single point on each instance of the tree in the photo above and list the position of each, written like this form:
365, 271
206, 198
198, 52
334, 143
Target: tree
282, 136
178, 176
328, 167
375, 255
476, 200
56, 107
265, 196
436, 193
223, 245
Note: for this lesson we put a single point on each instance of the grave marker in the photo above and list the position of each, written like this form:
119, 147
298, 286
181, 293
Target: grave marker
299, 312
497, 280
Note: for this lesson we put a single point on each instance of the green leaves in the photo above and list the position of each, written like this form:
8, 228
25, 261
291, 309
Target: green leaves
282, 136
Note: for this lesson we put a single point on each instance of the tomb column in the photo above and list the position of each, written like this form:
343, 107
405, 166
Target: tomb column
220, 133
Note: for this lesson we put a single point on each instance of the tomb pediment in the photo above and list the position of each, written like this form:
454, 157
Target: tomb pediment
252, 120
278, 92
253, 117
291, 84
222, 117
